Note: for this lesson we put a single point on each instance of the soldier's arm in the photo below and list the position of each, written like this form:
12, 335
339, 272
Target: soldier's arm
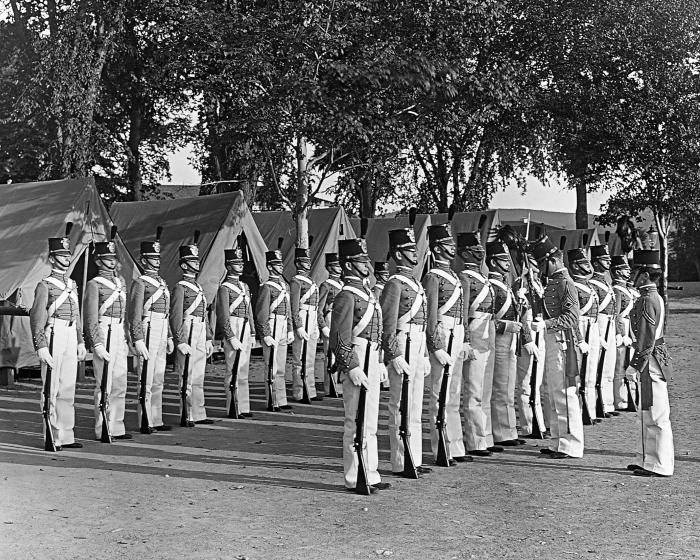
341, 332
249, 312
570, 310
294, 295
93, 336
322, 297
288, 309
431, 287
177, 301
262, 312
618, 310
38, 315
466, 295
207, 320
136, 295
223, 320
390, 315
646, 335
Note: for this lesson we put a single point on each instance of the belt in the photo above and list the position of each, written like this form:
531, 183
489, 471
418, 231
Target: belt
410, 327
449, 322
61, 322
364, 342
194, 319
306, 307
588, 319
155, 315
481, 315
112, 320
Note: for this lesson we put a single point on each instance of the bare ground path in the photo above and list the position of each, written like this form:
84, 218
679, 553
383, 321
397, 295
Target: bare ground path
271, 487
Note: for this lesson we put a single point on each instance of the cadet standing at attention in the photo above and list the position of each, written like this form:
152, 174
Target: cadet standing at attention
105, 334
192, 335
620, 271
560, 325
235, 325
58, 339
327, 291
149, 305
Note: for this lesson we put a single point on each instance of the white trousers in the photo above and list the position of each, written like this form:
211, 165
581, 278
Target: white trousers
453, 418
327, 364
242, 388
523, 386
478, 381
655, 442
155, 368
278, 327
351, 396
609, 360
619, 386
416, 385
566, 424
63, 375
197, 366
116, 377
591, 361
503, 423
297, 351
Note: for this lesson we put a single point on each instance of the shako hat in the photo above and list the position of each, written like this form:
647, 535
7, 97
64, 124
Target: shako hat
61, 245
619, 261
352, 250
543, 248
381, 267
331, 258
190, 252
401, 238
598, 251
496, 249
233, 256
301, 254
273, 257
467, 239
576, 255
107, 248
438, 233
152, 248
647, 258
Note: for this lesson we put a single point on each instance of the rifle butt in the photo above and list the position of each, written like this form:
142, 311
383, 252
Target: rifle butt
142, 398
442, 459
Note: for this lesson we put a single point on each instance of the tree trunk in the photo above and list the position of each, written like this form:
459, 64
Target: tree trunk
662, 227
301, 201
134, 158
577, 174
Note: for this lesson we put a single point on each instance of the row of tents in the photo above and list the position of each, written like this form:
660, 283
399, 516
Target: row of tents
32, 212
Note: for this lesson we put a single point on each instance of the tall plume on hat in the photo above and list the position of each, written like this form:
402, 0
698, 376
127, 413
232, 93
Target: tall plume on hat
112, 233
159, 232
412, 213
451, 211
364, 225
196, 237
69, 227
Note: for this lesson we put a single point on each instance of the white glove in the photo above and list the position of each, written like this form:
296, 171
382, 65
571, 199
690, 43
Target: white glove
383, 373
101, 353
82, 352
184, 348
618, 340
584, 347
141, 349
358, 377
467, 352
400, 365
290, 337
427, 369
170, 346
522, 294
631, 374
209, 347
627, 341
235, 343
45, 356
301, 333
537, 326
603, 343
512, 327
443, 357
326, 332
269, 341
532, 350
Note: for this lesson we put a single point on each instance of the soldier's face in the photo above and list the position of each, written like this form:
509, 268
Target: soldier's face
640, 277
582, 268
234, 268
107, 263
446, 249
499, 264
303, 265
362, 268
473, 254
275, 269
334, 269
191, 265
60, 261
622, 273
381, 277
151, 263
409, 255
602, 263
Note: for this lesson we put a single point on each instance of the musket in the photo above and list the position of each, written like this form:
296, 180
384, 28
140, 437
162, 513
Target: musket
409, 467
585, 415
184, 414
233, 385
142, 389
537, 431
362, 485
304, 351
271, 397
599, 408
332, 369
443, 454
49, 441
106, 436
631, 402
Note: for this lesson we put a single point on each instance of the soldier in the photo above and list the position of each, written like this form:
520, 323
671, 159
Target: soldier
58, 339
303, 296
445, 336
355, 335
326, 296
235, 325
508, 325
620, 271
608, 309
581, 271
191, 333
273, 323
479, 340
530, 291
381, 275
105, 334
149, 306
403, 316
650, 368
560, 325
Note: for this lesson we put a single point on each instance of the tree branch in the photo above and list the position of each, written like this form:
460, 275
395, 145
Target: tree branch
284, 197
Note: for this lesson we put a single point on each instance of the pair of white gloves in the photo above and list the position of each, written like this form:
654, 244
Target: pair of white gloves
619, 341
186, 349
46, 358
141, 350
269, 341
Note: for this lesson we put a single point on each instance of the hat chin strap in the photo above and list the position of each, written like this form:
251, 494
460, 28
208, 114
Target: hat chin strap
411, 262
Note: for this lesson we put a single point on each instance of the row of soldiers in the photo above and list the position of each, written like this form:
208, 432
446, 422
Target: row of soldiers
474, 336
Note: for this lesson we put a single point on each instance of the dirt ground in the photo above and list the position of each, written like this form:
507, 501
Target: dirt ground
271, 486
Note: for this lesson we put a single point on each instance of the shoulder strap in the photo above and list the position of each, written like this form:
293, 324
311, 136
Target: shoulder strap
449, 277
592, 296
312, 288
609, 294
628, 308
481, 296
155, 296
337, 285
283, 294
417, 302
117, 293
63, 296
509, 298
197, 300
240, 296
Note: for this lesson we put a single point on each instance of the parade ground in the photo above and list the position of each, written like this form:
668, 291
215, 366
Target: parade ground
272, 486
